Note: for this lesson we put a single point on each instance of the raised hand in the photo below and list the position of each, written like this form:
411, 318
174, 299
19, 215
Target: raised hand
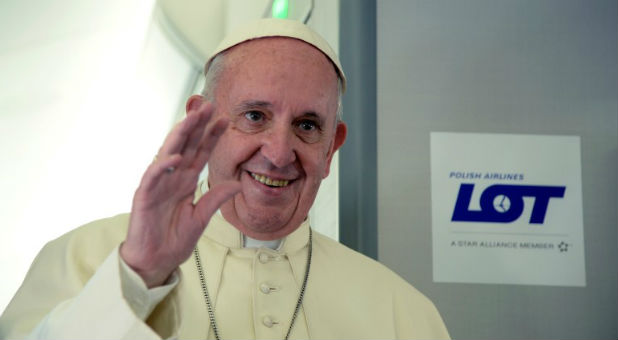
165, 225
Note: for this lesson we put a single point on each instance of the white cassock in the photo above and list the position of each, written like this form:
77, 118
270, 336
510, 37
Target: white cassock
79, 288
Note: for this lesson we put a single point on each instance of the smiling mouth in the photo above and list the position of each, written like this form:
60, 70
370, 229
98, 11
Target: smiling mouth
273, 183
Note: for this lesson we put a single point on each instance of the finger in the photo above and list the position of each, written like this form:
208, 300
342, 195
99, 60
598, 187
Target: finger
177, 138
208, 143
213, 199
157, 170
194, 139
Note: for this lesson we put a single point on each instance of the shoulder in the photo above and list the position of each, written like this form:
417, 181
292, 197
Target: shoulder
361, 291
98, 233
62, 268
91, 243
363, 272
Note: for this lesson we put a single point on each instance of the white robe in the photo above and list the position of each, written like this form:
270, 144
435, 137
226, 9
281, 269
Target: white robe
73, 290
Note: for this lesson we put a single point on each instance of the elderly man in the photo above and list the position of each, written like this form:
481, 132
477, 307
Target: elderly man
234, 257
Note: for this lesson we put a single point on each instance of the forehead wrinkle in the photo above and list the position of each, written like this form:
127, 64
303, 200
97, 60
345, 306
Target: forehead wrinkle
276, 49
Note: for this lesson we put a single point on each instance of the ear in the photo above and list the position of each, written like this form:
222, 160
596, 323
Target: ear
194, 102
340, 133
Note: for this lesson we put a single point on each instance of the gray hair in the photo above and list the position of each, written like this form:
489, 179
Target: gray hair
214, 71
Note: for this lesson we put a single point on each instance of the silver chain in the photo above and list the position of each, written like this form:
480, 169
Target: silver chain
211, 311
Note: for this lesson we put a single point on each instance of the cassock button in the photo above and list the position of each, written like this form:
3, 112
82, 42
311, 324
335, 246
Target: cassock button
263, 257
264, 288
268, 321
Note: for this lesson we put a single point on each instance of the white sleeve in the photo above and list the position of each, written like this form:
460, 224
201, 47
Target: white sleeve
113, 305
141, 299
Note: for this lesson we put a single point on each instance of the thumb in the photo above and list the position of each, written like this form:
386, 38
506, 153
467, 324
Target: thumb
214, 198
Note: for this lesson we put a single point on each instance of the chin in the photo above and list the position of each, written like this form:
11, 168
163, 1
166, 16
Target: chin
264, 224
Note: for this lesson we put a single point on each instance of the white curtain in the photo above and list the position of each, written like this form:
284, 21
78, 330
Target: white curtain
88, 92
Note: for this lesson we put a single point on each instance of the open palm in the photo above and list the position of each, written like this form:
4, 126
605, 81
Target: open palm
165, 224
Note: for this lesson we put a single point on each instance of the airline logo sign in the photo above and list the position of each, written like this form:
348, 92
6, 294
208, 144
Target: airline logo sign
503, 204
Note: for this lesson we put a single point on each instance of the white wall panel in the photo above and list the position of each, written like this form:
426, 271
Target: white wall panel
510, 67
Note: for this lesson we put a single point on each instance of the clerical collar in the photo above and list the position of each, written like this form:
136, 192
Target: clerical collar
249, 242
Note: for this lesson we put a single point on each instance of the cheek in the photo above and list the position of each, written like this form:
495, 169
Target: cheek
222, 157
231, 151
314, 164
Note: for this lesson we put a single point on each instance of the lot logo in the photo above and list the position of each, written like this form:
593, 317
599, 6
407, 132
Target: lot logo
504, 203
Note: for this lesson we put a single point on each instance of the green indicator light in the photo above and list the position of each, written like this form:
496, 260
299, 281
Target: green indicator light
280, 9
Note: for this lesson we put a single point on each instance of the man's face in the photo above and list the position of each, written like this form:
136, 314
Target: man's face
280, 96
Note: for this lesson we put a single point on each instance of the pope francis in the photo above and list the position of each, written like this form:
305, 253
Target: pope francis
235, 256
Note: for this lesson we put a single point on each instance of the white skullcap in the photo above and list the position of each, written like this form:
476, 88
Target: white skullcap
271, 27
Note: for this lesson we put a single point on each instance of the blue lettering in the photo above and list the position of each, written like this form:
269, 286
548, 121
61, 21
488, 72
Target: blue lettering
514, 194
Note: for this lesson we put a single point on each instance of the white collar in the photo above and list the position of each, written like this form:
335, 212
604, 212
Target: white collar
249, 242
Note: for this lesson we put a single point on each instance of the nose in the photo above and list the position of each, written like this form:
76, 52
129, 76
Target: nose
278, 147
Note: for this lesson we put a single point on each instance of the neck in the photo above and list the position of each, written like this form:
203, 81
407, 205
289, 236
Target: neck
249, 242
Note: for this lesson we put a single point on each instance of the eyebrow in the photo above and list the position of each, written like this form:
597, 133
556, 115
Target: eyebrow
252, 104
314, 115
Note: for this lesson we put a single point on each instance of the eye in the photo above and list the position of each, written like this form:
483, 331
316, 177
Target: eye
307, 125
254, 116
